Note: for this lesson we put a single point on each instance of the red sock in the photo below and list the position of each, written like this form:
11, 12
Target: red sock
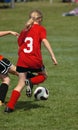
38, 79
13, 99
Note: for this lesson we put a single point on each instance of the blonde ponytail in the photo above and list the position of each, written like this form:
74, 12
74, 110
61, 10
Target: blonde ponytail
29, 23
34, 16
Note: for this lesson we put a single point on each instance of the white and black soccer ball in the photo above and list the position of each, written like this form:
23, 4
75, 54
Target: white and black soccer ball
41, 93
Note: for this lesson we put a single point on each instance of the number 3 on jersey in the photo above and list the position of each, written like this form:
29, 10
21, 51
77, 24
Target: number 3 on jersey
29, 45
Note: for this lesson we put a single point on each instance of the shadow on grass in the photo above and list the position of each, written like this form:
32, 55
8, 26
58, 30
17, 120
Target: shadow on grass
27, 105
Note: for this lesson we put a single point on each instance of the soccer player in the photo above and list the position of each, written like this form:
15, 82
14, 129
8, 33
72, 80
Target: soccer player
30, 57
6, 67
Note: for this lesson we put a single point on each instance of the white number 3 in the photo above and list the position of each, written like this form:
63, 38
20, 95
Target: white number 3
29, 45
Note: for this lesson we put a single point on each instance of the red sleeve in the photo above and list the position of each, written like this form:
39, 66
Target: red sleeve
21, 37
43, 33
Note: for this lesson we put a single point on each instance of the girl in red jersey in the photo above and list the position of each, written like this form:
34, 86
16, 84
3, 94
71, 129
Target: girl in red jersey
30, 57
5, 67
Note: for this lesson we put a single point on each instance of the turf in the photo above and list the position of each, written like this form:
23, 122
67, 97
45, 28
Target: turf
60, 111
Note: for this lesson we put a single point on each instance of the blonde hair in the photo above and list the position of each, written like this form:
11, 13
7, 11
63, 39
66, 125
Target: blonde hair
34, 16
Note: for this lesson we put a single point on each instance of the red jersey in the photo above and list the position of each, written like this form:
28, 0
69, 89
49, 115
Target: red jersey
30, 47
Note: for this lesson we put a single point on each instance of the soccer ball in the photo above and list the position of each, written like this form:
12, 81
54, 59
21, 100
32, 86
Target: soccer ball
41, 93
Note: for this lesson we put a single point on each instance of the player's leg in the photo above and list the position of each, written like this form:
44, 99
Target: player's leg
4, 66
16, 93
4, 87
35, 80
41, 77
12, 70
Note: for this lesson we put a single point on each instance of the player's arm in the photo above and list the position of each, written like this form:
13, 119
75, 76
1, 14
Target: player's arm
49, 48
3, 33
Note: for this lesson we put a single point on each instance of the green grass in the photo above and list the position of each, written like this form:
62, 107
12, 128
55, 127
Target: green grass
60, 111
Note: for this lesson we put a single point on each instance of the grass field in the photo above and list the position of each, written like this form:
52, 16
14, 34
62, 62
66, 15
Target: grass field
60, 111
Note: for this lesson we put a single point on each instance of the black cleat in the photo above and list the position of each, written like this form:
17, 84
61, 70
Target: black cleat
8, 110
29, 87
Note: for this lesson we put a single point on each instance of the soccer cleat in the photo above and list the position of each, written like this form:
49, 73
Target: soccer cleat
29, 87
1, 103
8, 110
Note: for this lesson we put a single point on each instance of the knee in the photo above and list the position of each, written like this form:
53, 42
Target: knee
6, 80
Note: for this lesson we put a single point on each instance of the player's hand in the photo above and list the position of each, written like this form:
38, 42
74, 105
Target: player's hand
55, 63
14, 33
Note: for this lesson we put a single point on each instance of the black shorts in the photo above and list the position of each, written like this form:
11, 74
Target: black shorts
4, 65
22, 69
